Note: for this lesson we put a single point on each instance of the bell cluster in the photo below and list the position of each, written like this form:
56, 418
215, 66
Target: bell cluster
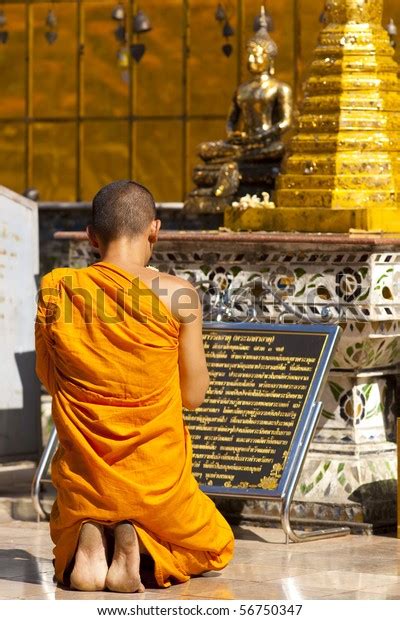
223, 16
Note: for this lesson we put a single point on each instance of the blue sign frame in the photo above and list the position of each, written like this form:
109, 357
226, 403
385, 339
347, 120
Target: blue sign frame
308, 417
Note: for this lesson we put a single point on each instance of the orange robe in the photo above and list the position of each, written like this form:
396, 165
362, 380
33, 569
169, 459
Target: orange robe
109, 357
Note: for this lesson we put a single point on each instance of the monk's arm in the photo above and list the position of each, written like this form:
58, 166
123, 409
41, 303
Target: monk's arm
43, 343
193, 373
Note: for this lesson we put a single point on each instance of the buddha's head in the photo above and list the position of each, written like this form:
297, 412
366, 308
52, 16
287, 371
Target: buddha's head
261, 49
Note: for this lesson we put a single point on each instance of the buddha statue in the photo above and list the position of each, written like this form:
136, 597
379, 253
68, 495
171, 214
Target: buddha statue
260, 113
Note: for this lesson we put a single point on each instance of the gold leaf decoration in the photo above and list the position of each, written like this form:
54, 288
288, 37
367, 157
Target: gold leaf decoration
268, 482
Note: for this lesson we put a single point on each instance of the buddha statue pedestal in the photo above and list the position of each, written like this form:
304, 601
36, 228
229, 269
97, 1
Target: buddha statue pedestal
255, 178
249, 160
343, 167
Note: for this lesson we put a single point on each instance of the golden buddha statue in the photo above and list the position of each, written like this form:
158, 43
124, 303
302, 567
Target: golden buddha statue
260, 113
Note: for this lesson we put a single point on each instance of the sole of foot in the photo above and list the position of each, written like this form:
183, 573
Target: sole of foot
90, 569
123, 574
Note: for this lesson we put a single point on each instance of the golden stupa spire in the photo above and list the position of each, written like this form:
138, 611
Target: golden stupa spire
342, 170
344, 161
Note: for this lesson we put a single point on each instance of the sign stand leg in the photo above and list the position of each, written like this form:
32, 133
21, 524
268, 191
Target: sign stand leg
306, 536
41, 472
287, 499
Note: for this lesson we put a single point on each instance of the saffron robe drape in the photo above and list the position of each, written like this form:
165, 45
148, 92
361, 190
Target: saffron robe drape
107, 351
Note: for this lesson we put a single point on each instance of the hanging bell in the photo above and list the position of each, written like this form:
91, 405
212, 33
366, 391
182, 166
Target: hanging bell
323, 18
32, 193
138, 51
392, 28
4, 34
118, 13
120, 33
123, 58
220, 14
51, 19
227, 30
141, 23
392, 31
51, 36
227, 49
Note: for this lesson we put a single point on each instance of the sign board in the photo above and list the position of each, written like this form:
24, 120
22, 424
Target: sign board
265, 383
20, 428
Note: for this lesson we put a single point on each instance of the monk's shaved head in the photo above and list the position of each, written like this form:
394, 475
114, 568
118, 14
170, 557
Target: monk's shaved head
122, 209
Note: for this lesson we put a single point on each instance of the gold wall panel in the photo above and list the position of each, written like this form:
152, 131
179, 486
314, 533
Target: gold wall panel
53, 160
158, 163
12, 63
54, 83
105, 85
173, 102
105, 155
12, 149
158, 84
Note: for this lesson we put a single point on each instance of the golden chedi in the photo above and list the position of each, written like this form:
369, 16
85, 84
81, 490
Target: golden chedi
343, 165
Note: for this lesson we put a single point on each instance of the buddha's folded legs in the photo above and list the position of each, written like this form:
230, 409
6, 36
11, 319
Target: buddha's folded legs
263, 152
222, 152
219, 150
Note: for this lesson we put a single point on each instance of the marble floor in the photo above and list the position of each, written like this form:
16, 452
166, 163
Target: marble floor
354, 567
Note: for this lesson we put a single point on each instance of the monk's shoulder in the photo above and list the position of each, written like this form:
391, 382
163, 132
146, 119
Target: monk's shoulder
52, 278
175, 283
180, 296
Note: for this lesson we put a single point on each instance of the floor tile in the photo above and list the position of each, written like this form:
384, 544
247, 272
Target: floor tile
263, 568
342, 581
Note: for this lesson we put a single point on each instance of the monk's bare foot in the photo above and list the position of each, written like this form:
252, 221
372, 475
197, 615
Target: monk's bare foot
123, 574
90, 569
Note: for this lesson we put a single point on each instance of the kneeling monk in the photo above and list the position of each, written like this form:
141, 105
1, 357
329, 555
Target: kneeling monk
119, 348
